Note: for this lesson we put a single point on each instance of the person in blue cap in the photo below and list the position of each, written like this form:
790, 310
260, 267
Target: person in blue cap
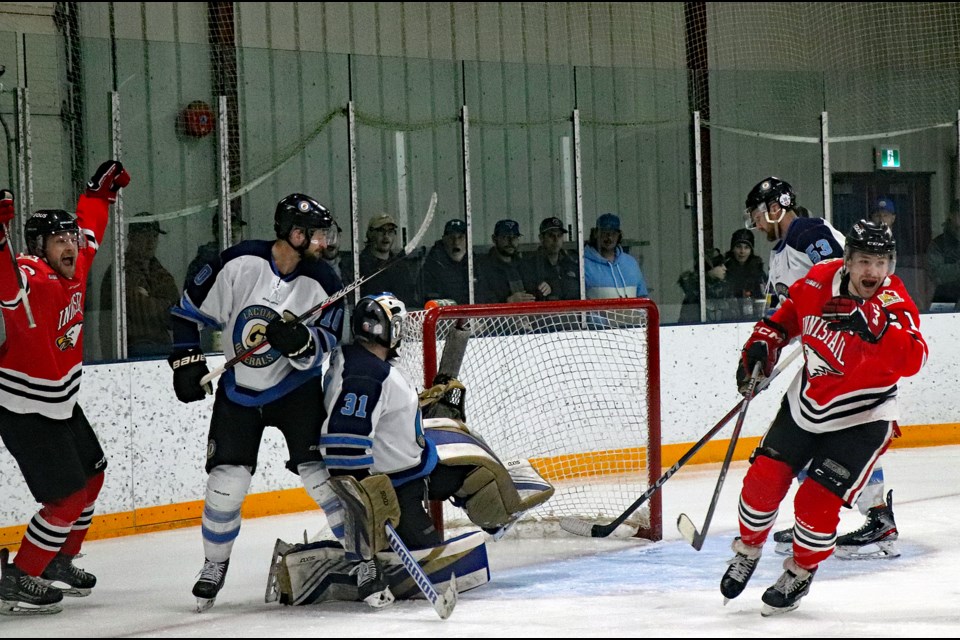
498, 273
444, 275
884, 211
608, 270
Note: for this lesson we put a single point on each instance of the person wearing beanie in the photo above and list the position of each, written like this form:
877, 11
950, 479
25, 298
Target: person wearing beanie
746, 276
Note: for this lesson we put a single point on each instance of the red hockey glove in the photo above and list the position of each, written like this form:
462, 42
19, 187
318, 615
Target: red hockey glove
107, 181
862, 317
6, 211
763, 346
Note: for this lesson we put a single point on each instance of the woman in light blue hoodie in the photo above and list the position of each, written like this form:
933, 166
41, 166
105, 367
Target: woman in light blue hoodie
608, 270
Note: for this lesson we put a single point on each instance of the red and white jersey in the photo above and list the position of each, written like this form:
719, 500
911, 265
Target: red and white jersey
40, 367
847, 381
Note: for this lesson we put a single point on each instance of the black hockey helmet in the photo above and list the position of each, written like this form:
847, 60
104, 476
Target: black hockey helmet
874, 238
47, 222
298, 210
871, 237
770, 190
379, 318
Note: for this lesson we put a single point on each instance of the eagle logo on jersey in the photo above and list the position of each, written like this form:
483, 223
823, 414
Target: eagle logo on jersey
817, 364
70, 339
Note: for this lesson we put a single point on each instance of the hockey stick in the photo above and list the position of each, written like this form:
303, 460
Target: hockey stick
309, 313
684, 523
588, 530
442, 604
23, 289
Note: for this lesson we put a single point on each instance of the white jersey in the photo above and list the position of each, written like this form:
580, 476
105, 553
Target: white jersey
240, 293
373, 418
807, 242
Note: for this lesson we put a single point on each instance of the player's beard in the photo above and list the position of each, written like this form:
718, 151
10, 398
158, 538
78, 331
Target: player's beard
66, 266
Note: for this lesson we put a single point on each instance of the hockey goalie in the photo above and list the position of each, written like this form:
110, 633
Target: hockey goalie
387, 450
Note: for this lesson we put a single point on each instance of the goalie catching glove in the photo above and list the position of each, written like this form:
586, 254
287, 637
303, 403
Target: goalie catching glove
865, 318
763, 346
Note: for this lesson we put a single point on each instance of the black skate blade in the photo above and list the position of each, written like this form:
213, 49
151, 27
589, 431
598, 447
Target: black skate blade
8, 608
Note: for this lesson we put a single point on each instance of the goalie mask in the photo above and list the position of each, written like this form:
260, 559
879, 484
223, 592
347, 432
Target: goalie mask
379, 318
764, 194
874, 238
45, 223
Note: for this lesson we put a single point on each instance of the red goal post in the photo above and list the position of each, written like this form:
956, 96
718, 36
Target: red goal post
574, 386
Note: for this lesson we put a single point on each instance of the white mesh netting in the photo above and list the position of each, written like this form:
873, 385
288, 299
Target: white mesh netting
568, 389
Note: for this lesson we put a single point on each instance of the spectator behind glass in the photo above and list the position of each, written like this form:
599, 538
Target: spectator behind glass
943, 264
608, 270
498, 272
399, 278
210, 340
552, 273
746, 277
884, 211
720, 302
150, 292
444, 275
341, 263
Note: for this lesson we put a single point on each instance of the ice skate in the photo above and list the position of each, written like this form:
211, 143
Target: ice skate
784, 540
785, 595
741, 567
372, 584
877, 538
61, 570
211, 581
22, 594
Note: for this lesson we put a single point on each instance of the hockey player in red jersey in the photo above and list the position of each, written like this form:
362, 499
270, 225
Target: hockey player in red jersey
859, 331
41, 423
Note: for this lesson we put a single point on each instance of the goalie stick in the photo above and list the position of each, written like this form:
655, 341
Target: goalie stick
309, 313
442, 604
684, 523
589, 530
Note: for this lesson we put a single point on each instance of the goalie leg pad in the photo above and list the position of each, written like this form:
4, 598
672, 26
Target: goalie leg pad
493, 494
320, 572
367, 506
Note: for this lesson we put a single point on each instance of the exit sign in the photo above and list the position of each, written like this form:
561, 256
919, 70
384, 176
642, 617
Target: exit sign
888, 158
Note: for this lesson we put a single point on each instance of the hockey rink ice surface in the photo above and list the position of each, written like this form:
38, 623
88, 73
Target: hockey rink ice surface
557, 587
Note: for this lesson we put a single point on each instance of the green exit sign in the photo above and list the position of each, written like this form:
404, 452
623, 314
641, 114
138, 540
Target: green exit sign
888, 158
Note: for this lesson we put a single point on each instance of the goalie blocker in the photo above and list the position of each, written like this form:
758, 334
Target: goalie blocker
493, 494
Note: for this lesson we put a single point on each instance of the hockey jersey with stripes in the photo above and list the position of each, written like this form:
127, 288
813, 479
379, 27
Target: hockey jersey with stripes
847, 381
808, 241
40, 367
240, 292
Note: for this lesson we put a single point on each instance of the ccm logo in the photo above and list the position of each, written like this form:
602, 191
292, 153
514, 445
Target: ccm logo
199, 357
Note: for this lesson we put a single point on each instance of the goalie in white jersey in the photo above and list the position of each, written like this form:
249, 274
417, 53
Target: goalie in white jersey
385, 461
253, 291
800, 243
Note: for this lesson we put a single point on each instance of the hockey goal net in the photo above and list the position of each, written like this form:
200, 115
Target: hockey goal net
574, 386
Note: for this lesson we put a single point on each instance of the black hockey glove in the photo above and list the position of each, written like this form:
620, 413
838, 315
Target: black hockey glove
189, 366
862, 317
109, 178
763, 346
292, 339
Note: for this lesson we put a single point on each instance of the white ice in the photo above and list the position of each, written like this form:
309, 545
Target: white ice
560, 587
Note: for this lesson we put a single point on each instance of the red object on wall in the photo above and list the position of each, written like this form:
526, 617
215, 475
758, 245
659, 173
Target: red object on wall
196, 119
